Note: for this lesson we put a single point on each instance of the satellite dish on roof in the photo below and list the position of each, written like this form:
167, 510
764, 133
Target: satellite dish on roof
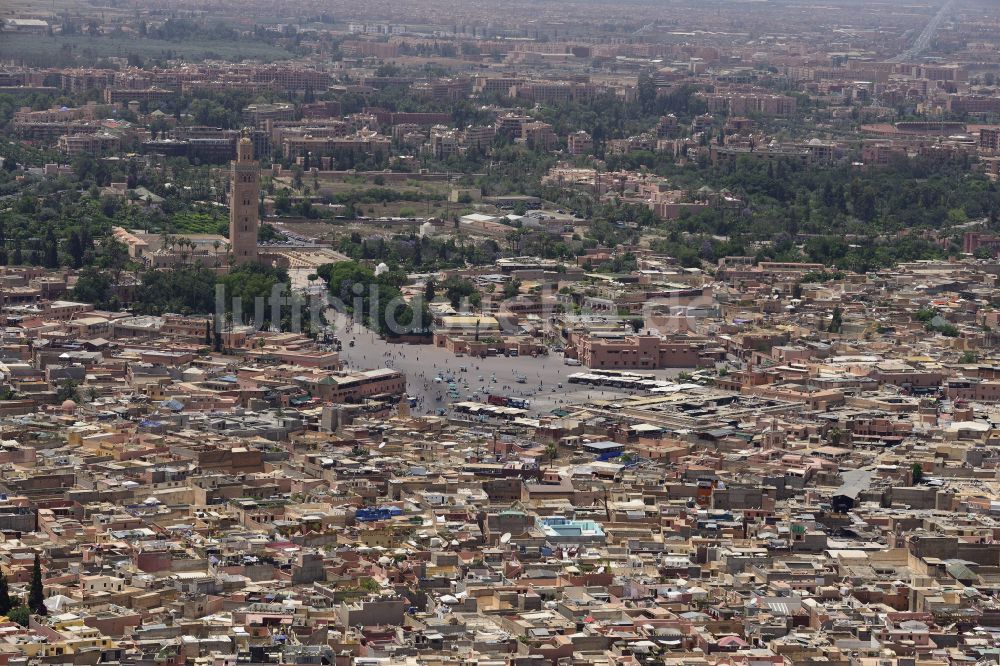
381, 445
600, 570
505, 538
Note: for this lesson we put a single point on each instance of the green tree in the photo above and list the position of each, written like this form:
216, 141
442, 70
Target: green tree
51, 249
94, 286
512, 288
36, 592
20, 614
968, 357
67, 391
917, 472
113, 257
75, 248
836, 321
551, 450
376, 299
457, 288
6, 603
267, 233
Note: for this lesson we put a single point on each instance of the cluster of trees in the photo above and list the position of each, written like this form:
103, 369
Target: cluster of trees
868, 255
376, 299
400, 98
355, 201
96, 287
934, 322
14, 155
413, 253
690, 249
623, 263
183, 290
827, 215
215, 109
510, 169
192, 290
778, 197
861, 256
66, 235
67, 221
183, 29
545, 245
268, 234
457, 290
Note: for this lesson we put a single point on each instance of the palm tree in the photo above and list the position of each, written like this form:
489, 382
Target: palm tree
228, 329
551, 450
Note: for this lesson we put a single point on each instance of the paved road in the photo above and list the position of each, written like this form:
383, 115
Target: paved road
923, 40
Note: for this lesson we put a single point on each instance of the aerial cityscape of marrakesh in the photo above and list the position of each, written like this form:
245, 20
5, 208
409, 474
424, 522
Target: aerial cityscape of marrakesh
547, 333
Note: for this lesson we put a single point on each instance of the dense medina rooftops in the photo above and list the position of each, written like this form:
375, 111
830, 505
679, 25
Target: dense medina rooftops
682, 396
649, 513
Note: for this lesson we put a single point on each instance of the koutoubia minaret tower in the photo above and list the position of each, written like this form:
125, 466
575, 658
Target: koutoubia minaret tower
243, 213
